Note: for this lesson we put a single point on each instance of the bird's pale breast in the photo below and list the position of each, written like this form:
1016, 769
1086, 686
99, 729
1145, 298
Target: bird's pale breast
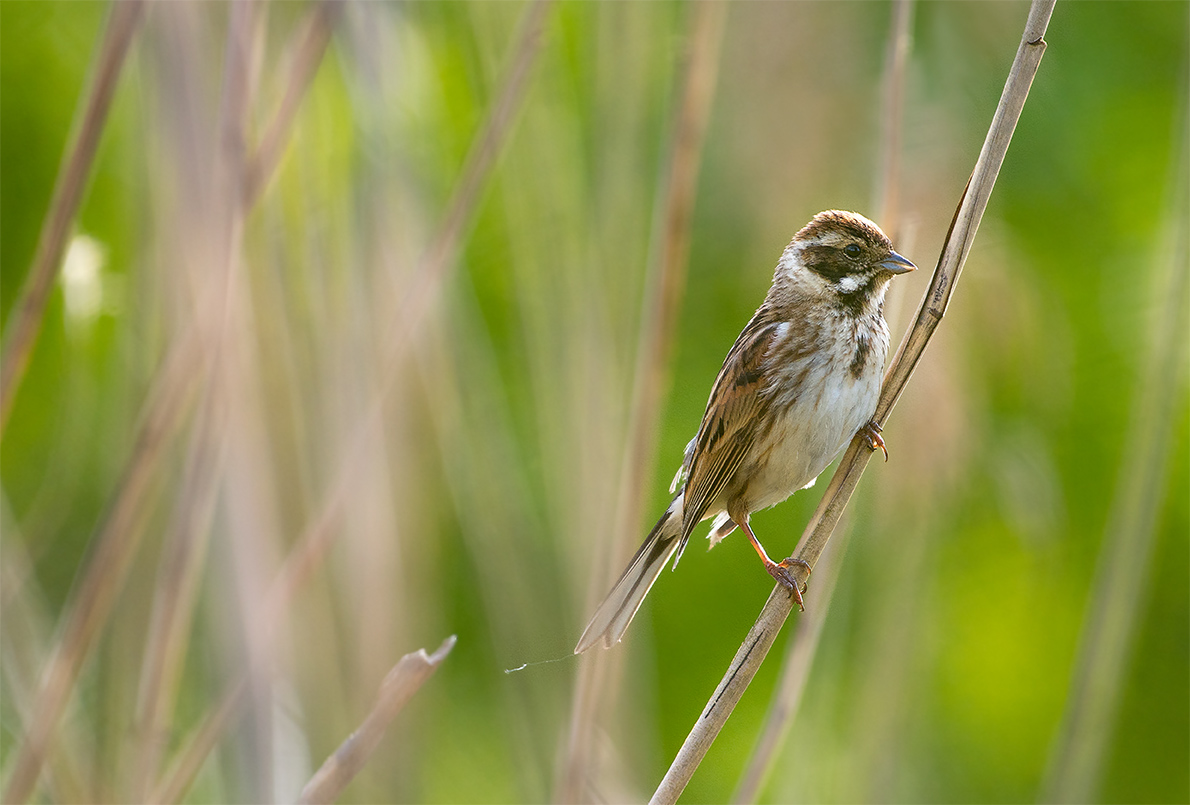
819, 404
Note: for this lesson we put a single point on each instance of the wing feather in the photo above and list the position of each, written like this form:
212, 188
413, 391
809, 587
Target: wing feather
730, 426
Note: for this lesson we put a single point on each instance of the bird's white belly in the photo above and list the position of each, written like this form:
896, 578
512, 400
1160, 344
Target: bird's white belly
812, 432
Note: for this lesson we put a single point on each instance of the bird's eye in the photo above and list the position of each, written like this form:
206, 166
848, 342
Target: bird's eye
852, 250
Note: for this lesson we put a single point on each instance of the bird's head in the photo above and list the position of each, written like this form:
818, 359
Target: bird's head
840, 258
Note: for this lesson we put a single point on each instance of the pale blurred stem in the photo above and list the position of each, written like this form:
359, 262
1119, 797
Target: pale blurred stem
316, 540
173, 604
398, 687
933, 306
424, 288
886, 197
118, 537
1080, 751
310, 50
799, 659
486, 146
799, 656
24, 626
109, 557
666, 282
181, 564
25, 323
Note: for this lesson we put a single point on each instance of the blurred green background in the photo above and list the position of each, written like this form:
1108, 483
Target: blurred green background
480, 503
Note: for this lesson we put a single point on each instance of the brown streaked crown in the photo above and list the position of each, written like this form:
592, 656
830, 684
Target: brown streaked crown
847, 224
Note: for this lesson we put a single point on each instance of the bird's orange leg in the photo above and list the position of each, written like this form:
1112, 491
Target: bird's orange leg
778, 570
871, 432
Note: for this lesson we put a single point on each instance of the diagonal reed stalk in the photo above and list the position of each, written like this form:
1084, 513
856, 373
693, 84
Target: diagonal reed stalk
795, 670
424, 287
886, 194
109, 557
799, 657
21, 333
116, 540
181, 565
398, 687
666, 283
933, 306
25, 624
1080, 749
311, 47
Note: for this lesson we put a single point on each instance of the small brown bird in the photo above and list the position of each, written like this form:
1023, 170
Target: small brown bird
801, 380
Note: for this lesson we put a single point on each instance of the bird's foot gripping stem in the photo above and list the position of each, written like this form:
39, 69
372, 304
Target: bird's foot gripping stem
871, 433
781, 572
778, 570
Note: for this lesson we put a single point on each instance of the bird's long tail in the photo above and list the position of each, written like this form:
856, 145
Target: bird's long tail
611, 619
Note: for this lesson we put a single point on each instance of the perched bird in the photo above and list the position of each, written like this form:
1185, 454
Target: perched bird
801, 380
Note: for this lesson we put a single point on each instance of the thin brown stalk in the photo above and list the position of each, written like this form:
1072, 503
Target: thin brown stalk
180, 569
310, 50
116, 543
21, 334
319, 535
933, 306
398, 687
173, 602
113, 546
1080, 749
25, 622
487, 145
886, 204
666, 282
424, 287
799, 655
188, 762
298, 567
794, 672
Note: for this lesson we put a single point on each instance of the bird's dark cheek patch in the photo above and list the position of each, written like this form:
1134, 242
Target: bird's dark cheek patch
827, 262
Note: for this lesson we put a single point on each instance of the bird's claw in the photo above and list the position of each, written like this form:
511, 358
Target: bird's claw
780, 572
871, 433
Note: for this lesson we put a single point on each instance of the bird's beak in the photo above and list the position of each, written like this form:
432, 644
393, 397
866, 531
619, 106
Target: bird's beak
896, 264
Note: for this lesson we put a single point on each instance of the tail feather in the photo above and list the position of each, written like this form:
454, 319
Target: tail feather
611, 619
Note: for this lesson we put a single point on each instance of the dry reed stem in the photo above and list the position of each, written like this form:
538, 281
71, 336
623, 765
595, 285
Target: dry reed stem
187, 763
21, 334
117, 539
25, 623
954, 252
174, 598
310, 50
799, 656
398, 687
667, 277
886, 194
1079, 752
180, 569
110, 555
481, 157
659, 315
798, 661
319, 535
424, 288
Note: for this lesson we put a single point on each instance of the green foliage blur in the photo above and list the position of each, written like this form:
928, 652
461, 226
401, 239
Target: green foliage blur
482, 503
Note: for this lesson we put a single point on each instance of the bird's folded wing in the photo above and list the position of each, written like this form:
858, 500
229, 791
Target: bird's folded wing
730, 425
